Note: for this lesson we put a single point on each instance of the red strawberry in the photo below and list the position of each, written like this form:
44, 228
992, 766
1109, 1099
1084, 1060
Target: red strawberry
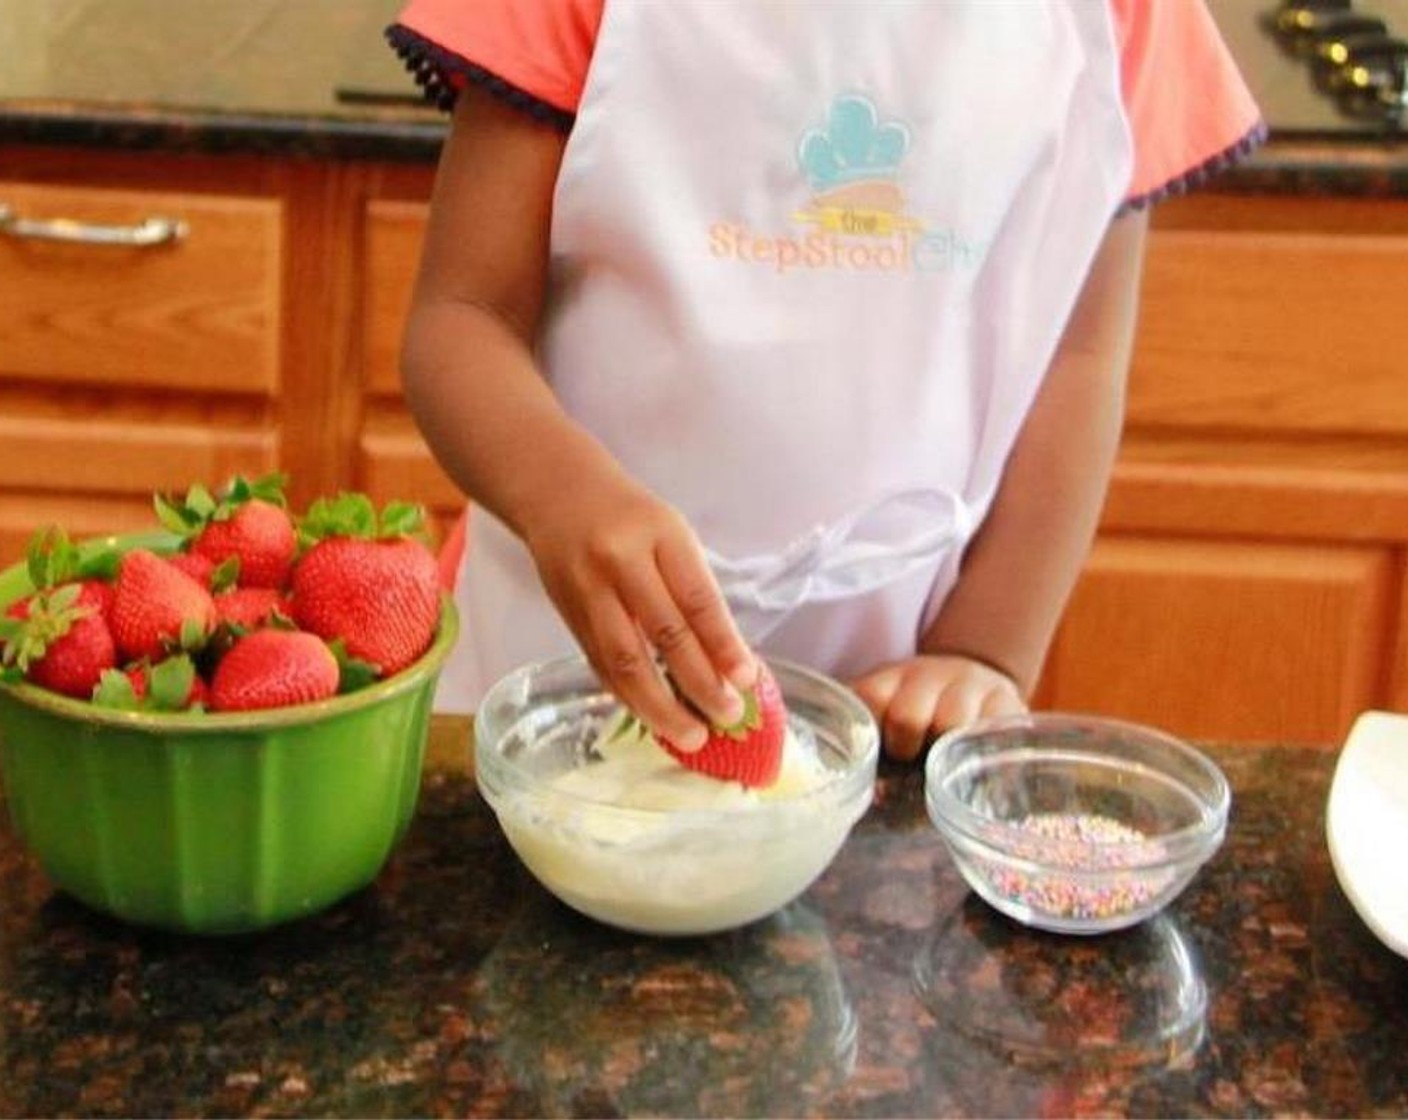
260, 535
378, 595
246, 524
97, 594
250, 607
156, 606
199, 568
92, 593
60, 640
749, 751
137, 681
273, 669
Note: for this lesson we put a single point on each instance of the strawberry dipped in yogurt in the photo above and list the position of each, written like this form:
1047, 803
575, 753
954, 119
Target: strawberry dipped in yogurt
639, 834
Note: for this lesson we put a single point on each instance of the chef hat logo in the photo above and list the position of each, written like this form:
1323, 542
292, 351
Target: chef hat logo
853, 147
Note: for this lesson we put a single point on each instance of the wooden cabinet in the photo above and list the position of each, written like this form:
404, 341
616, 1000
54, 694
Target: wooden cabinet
1251, 577
195, 309
234, 347
1229, 639
391, 457
1249, 580
126, 368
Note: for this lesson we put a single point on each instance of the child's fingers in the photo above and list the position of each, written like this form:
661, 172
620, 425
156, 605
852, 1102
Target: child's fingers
960, 705
876, 688
701, 604
624, 663
906, 723
669, 634
1003, 701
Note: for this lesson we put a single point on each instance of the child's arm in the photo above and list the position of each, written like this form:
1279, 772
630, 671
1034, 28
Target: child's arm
985, 649
622, 566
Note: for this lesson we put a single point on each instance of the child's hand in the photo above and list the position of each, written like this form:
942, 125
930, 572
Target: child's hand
630, 579
916, 699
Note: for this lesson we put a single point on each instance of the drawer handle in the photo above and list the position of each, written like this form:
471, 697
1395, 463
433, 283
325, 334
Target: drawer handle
151, 231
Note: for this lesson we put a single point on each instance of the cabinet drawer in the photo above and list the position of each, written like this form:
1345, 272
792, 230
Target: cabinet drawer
201, 312
1272, 332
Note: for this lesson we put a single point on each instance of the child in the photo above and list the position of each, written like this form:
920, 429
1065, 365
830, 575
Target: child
796, 327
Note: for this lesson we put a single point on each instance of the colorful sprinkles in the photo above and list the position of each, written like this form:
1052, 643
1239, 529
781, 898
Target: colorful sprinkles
1084, 842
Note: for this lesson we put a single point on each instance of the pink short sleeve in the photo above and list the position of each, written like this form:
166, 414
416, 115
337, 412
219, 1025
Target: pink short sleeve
1189, 110
535, 53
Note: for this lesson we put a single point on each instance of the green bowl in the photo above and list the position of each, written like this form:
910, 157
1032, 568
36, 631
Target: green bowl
215, 823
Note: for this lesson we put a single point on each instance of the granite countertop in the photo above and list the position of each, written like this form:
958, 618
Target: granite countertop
454, 985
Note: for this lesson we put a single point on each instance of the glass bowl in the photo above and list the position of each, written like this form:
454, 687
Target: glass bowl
1073, 823
215, 822
673, 871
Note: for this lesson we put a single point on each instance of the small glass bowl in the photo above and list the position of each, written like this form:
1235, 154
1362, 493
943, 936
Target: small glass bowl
678, 871
1073, 823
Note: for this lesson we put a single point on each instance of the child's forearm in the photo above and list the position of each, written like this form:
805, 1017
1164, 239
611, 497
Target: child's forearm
490, 418
1020, 568
467, 361
1022, 565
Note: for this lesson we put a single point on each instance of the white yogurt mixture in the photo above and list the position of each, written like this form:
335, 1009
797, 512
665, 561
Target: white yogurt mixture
635, 839
635, 772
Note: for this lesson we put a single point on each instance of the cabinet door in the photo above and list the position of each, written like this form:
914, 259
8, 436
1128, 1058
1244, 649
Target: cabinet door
1227, 640
127, 368
393, 460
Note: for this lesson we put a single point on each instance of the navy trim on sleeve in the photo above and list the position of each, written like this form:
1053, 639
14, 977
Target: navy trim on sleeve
1197, 176
435, 70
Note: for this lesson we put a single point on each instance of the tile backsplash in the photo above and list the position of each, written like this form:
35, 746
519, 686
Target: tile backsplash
259, 55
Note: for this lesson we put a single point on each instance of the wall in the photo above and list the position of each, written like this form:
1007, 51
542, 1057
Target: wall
257, 55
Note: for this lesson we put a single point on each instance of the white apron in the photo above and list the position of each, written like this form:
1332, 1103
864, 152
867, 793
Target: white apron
809, 265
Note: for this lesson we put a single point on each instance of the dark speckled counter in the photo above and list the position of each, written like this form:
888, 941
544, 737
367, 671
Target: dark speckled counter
394, 129
378, 132
456, 986
403, 133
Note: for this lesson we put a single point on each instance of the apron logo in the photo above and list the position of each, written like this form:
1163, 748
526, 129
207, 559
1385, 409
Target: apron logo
852, 166
856, 219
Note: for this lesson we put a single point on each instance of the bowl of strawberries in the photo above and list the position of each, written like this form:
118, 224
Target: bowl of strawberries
218, 726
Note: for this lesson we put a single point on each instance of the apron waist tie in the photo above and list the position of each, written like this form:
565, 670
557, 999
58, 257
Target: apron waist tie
893, 537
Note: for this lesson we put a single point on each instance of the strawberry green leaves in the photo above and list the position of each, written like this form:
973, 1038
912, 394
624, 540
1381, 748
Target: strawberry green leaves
185, 518
354, 515
188, 516
50, 615
352, 672
169, 686
115, 690
51, 559
402, 519
347, 515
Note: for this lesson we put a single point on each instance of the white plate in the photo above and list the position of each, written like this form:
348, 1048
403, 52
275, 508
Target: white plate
1366, 824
